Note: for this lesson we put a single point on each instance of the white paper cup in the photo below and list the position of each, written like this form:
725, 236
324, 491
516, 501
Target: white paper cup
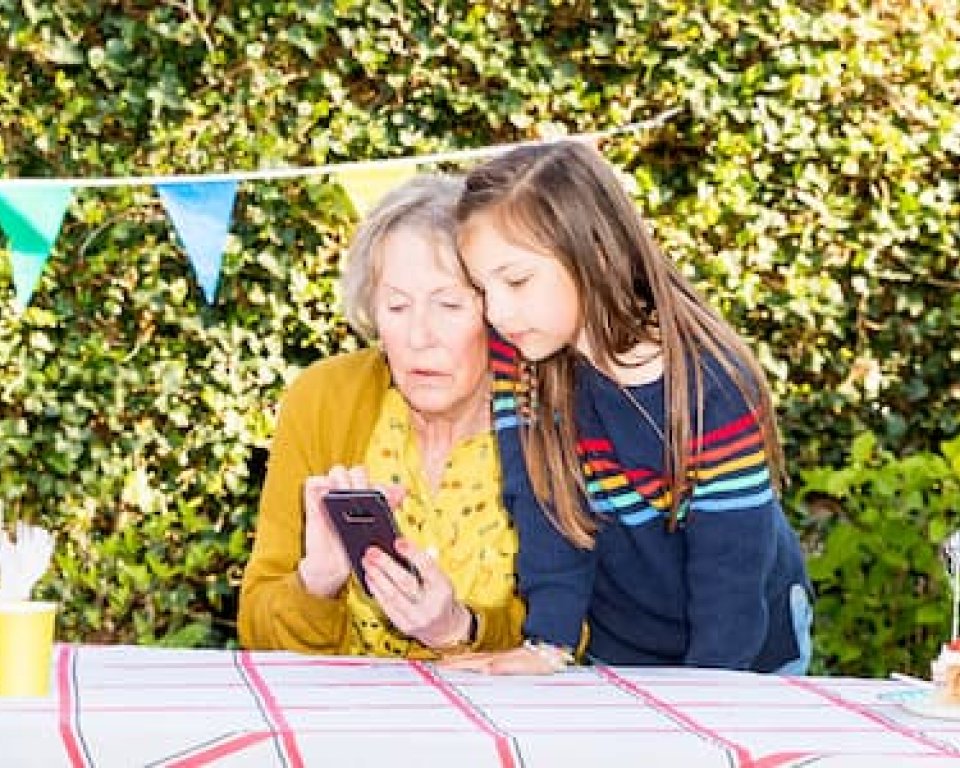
26, 647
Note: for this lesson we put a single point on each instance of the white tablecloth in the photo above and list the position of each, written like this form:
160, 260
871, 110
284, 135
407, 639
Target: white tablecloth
133, 706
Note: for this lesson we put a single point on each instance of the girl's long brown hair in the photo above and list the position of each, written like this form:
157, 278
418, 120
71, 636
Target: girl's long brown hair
564, 200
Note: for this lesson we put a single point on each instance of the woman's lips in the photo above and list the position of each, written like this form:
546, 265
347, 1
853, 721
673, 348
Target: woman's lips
425, 372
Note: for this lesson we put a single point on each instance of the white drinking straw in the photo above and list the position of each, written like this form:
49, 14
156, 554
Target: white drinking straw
950, 552
956, 597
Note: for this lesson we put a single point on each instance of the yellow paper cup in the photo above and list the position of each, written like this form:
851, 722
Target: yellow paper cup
26, 647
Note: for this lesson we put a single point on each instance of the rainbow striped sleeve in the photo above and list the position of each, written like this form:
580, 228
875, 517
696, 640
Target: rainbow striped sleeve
504, 362
730, 468
635, 496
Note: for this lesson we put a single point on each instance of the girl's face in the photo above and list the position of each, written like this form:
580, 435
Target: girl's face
430, 323
529, 296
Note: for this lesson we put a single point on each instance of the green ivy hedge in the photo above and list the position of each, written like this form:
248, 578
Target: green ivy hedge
875, 528
809, 184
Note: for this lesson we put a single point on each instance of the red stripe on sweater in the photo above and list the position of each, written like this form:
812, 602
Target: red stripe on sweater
502, 348
598, 445
726, 431
717, 454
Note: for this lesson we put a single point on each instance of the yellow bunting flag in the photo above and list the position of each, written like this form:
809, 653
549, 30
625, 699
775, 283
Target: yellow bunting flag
366, 184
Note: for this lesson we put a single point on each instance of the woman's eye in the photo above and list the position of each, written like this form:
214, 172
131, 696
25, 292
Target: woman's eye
453, 301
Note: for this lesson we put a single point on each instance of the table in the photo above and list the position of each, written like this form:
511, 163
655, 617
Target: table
138, 706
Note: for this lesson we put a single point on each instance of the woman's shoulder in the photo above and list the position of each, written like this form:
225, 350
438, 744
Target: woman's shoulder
341, 373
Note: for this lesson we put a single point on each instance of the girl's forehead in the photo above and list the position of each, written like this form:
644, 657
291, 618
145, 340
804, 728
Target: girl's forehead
501, 225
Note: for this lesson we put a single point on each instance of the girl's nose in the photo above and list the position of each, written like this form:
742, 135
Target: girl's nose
496, 309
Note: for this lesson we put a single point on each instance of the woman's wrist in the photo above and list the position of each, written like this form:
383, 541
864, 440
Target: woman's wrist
316, 581
464, 632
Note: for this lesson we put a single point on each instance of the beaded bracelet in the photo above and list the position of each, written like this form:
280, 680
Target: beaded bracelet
557, 657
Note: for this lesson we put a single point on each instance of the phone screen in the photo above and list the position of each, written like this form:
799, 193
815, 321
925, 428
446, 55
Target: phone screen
363, 519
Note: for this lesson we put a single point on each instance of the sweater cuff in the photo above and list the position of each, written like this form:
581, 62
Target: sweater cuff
498, 627
556, 627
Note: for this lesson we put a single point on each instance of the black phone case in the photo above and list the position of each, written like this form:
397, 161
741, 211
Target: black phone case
363, 519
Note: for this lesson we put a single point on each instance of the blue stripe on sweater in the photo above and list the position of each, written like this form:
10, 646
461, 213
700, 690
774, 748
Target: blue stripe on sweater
506, 422
618, 499
759, 478
640, 517
735, 502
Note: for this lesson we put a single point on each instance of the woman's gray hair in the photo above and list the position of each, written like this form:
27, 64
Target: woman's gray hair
425, 203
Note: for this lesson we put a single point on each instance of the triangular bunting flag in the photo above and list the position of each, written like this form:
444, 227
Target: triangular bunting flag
31, 216
365, 185
201, 213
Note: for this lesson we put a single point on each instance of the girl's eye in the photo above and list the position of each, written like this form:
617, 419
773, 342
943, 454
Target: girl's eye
517, 282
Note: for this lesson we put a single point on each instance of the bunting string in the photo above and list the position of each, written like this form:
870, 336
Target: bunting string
200, 206
266, 174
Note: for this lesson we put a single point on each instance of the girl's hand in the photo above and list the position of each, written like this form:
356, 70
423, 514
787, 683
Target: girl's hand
325, 566
525, 660
422, 605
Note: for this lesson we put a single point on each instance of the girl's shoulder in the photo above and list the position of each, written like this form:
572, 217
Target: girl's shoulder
724, 387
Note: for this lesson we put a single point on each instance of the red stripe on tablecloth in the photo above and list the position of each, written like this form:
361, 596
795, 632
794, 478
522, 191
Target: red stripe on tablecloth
278, 721
207, 756
331, 662
778, 759
205, 663
476, 716
681, 718
888, 725
66, 701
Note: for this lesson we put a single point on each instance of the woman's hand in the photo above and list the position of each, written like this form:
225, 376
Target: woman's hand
325, 566
422, 605
526, 660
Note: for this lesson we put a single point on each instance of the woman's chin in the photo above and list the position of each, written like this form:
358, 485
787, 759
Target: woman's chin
430, 402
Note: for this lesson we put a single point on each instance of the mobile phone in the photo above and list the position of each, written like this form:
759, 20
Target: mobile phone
363, 519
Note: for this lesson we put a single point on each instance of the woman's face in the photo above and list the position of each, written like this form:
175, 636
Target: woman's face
430, 321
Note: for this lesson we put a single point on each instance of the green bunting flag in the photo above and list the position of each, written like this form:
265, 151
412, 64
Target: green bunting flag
31, 218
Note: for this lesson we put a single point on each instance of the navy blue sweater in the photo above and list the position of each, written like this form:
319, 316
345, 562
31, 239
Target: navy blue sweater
714, 592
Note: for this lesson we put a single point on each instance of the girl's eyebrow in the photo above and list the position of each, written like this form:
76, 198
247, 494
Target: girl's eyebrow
505, 266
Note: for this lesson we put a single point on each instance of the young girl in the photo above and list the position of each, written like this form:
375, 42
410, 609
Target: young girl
649, 521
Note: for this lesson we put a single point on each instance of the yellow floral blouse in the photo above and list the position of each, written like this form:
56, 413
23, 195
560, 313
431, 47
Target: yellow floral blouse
464, 523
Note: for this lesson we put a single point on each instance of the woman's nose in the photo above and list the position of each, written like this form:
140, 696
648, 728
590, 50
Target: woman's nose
421, 332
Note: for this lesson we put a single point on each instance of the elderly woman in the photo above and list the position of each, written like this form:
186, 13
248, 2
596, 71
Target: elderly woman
411, 417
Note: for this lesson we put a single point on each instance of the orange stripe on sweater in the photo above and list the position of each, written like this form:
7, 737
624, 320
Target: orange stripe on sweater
724, 451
